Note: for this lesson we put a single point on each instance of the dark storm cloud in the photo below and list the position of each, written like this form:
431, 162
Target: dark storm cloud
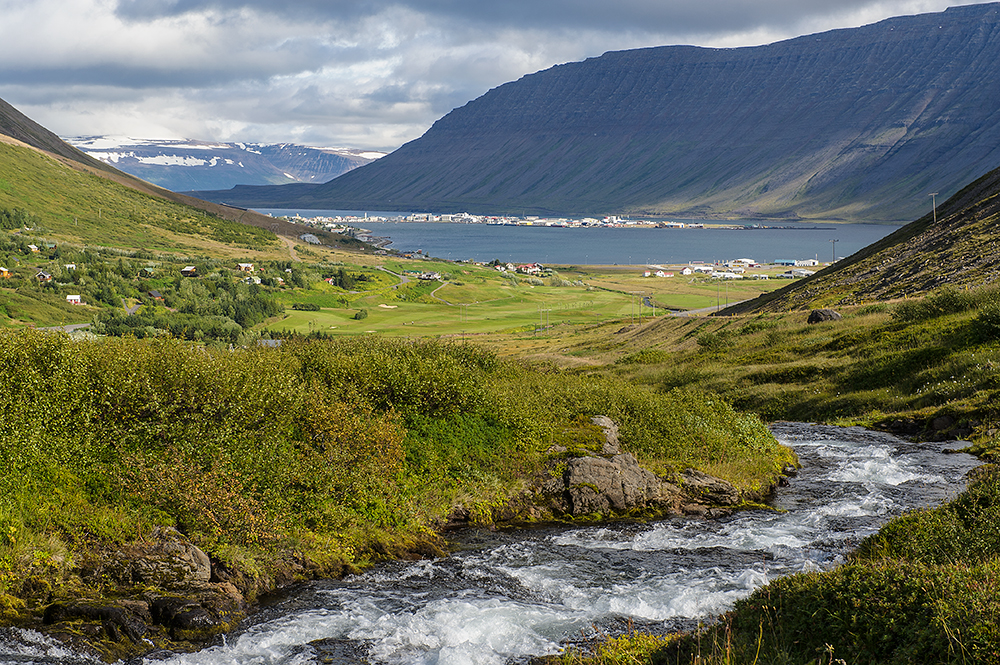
656, 16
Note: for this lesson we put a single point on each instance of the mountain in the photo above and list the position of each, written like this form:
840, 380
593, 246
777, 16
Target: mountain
117, 209
857, 124
191, 165
958, 245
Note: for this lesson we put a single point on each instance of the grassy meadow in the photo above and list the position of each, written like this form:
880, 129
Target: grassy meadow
393, 401
477, 300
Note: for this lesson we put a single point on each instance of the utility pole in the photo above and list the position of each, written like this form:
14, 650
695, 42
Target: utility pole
835, 249
934, 205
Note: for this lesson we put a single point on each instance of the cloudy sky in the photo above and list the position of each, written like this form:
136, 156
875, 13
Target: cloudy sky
354, 73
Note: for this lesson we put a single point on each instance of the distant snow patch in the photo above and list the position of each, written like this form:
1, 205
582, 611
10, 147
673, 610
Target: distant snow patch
174, 160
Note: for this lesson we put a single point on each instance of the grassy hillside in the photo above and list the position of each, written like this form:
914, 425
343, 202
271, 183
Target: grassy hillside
305, 460
961, 249
83, 208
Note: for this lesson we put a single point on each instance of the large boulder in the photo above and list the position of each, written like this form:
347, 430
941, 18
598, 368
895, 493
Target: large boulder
821, 315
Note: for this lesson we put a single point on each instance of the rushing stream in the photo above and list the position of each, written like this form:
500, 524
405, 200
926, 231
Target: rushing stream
506, 596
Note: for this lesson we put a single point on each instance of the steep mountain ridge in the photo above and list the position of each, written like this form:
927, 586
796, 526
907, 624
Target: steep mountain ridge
854, 124
180, 165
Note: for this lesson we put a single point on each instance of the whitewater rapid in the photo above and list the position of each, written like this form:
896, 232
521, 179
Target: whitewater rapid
503, 597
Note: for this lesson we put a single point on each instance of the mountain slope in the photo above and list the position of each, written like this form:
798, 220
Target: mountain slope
77, 207
191, 165
961, 249
25, 134
857, 124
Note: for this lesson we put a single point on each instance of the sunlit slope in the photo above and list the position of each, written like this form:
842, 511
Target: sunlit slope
960, 249
84, 208
19, 130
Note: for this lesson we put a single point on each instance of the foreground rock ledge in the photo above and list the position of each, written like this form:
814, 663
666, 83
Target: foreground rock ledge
613, 485
164, 592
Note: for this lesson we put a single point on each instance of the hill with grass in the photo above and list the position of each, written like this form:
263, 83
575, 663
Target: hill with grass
854, 124
17, 131
958, 245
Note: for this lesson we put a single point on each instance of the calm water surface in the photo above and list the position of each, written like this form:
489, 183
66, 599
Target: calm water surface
623, 246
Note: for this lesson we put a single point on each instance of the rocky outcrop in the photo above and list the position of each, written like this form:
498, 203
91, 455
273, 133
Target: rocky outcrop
614, 484
159, 592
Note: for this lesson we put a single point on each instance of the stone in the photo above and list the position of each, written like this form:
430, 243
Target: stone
821, 315
942, 422
596, 484
708, 489
171, 560
610, 434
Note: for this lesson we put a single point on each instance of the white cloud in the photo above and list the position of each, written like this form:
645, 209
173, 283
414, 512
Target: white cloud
368, 74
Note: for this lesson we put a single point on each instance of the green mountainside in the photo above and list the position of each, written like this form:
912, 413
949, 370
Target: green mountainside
26, 133
961, 249
858, 124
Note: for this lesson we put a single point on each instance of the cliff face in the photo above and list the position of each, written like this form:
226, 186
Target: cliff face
857, 124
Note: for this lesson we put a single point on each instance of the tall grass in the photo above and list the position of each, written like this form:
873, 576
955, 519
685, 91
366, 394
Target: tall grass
319, 446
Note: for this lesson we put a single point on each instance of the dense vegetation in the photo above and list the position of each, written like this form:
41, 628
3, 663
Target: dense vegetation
325, 451
926, 588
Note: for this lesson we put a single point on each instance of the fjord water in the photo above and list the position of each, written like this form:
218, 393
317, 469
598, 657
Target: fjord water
503, 597
622, 246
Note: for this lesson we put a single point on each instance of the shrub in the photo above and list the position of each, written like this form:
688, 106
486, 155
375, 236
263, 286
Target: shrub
361, 314
947, 300
306, 307
714, 342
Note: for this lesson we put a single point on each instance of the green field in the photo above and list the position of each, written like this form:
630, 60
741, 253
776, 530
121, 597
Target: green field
477, 300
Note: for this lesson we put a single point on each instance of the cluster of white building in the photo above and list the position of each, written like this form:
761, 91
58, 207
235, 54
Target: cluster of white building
735, 269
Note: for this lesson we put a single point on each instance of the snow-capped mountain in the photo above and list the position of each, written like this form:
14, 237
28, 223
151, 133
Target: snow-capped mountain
186, 165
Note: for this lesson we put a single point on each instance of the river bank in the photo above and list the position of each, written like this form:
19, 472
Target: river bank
157, 489
505, 595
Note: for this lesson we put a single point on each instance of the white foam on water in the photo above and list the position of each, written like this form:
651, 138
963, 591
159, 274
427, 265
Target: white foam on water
452, 631
526, 597
23, 646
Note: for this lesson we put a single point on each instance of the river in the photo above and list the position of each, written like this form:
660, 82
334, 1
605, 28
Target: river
506, 596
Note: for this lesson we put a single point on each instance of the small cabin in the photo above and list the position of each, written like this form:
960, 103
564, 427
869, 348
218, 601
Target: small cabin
244, 267
43, 276
4, 273
189, 271
74, 300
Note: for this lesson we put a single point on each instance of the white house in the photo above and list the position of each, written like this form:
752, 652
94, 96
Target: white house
74, 300
687, 271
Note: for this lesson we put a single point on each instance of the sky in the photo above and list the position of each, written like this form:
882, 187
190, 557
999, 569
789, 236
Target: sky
366, 74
